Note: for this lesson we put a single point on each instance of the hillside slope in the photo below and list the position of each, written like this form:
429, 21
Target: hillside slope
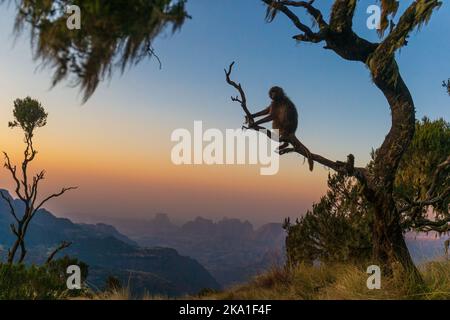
340, 282
107, 252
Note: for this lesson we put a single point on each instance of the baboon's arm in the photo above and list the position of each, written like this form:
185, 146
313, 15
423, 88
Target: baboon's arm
261, 113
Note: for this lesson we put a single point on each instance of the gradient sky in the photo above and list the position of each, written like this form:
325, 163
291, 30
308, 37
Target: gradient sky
116, 147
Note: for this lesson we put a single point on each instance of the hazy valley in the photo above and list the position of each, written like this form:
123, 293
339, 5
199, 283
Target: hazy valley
158, 256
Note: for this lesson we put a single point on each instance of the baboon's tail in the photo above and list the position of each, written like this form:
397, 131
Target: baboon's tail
310, 160
304, 150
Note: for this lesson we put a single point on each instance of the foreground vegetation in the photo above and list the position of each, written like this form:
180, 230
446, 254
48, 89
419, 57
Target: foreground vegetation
304, 282
340, 282
326, 282
39, 282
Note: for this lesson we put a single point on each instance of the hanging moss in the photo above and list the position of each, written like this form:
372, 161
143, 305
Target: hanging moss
114, 33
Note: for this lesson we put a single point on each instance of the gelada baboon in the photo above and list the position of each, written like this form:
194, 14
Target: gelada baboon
284, 116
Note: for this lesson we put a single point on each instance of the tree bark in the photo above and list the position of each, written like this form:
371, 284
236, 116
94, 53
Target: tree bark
12, 251
378, 181
18, 242
389, 244
388, 241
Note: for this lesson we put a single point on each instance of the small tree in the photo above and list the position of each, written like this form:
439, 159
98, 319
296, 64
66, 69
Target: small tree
338, 229
46, 282
422, 183
28, 115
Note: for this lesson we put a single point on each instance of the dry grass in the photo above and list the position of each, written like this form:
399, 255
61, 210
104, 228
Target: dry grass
340, 282
336, 282
125, 294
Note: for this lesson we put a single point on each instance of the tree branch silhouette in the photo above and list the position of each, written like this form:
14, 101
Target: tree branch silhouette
29, 115
379, 58
346, 168
63, 245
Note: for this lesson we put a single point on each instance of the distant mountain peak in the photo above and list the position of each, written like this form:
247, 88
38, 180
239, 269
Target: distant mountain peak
108, 252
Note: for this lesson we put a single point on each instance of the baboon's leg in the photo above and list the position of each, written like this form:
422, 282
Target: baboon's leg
283, 146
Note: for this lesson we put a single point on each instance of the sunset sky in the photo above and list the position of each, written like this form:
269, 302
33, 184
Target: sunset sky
116, 147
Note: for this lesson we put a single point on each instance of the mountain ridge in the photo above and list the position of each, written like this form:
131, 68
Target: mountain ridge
108, 252
232, 250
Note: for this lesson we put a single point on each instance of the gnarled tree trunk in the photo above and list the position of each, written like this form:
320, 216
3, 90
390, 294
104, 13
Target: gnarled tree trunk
339, 36
389, 243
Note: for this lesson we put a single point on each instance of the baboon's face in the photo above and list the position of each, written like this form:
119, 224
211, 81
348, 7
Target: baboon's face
276, 93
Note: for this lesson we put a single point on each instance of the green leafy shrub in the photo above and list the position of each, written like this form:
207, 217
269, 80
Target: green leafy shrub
47, 282
338, 229
417, 175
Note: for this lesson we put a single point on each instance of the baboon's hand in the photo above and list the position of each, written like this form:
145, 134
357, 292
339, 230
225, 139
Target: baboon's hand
249, 121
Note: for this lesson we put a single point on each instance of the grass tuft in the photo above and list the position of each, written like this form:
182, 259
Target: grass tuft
340, 282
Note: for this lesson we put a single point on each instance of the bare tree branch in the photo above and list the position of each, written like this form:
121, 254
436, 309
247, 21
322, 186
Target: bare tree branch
338, 34
273, 6
439, 170
12, 169
346, 168
242, 100
308, 5
29, 155
34, 188
55, 195
427, 202
62, 246
14, 230
29, 199
427, 225
432, 198
28, 115
11, 207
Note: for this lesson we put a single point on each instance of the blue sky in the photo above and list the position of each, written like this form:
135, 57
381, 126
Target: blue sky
341, 111
331, 93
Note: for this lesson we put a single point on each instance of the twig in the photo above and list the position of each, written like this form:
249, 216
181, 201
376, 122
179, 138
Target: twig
346, 168
62, 246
